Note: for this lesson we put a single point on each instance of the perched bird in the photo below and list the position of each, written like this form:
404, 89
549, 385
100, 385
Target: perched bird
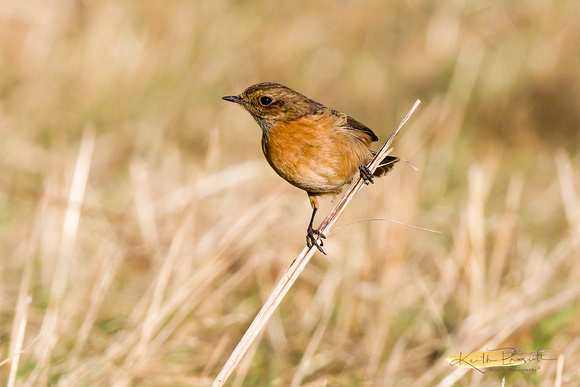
312, 147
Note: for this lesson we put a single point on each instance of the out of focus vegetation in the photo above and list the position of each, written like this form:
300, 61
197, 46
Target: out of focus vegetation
141, 229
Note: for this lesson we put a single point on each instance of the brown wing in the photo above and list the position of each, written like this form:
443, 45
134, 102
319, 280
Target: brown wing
353, 124
386, 165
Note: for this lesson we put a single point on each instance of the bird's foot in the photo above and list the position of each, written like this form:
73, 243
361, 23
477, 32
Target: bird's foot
314, 238
366, 175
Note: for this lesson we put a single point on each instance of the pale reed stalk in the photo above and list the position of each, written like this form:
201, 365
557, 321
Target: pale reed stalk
298, 265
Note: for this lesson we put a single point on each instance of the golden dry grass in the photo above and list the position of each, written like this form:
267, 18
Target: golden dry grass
141, 229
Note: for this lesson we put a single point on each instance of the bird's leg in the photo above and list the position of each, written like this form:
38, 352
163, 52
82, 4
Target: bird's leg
366, 175
314, 237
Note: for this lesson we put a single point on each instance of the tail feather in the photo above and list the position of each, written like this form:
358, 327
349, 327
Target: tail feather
385, 166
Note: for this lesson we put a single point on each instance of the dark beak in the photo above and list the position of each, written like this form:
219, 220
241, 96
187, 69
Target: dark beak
232, 98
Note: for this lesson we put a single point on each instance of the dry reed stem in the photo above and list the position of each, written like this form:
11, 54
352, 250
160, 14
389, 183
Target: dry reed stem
559, 370
298, 265
19, 340
49, 335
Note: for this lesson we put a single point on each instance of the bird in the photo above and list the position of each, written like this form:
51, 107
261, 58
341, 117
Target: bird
311, 146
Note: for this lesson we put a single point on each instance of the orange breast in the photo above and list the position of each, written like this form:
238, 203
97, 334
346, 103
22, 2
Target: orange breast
316, 154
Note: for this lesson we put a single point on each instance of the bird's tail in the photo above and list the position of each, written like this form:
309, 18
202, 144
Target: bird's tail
385, 166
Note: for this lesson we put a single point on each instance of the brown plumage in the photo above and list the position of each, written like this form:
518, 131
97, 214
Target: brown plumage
312, 147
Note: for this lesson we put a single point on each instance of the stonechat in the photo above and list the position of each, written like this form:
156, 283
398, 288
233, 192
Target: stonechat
312, 147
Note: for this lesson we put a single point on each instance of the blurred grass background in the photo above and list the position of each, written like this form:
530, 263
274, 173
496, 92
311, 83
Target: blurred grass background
138, 213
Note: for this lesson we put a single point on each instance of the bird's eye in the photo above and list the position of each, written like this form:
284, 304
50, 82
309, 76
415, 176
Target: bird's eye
265, 101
